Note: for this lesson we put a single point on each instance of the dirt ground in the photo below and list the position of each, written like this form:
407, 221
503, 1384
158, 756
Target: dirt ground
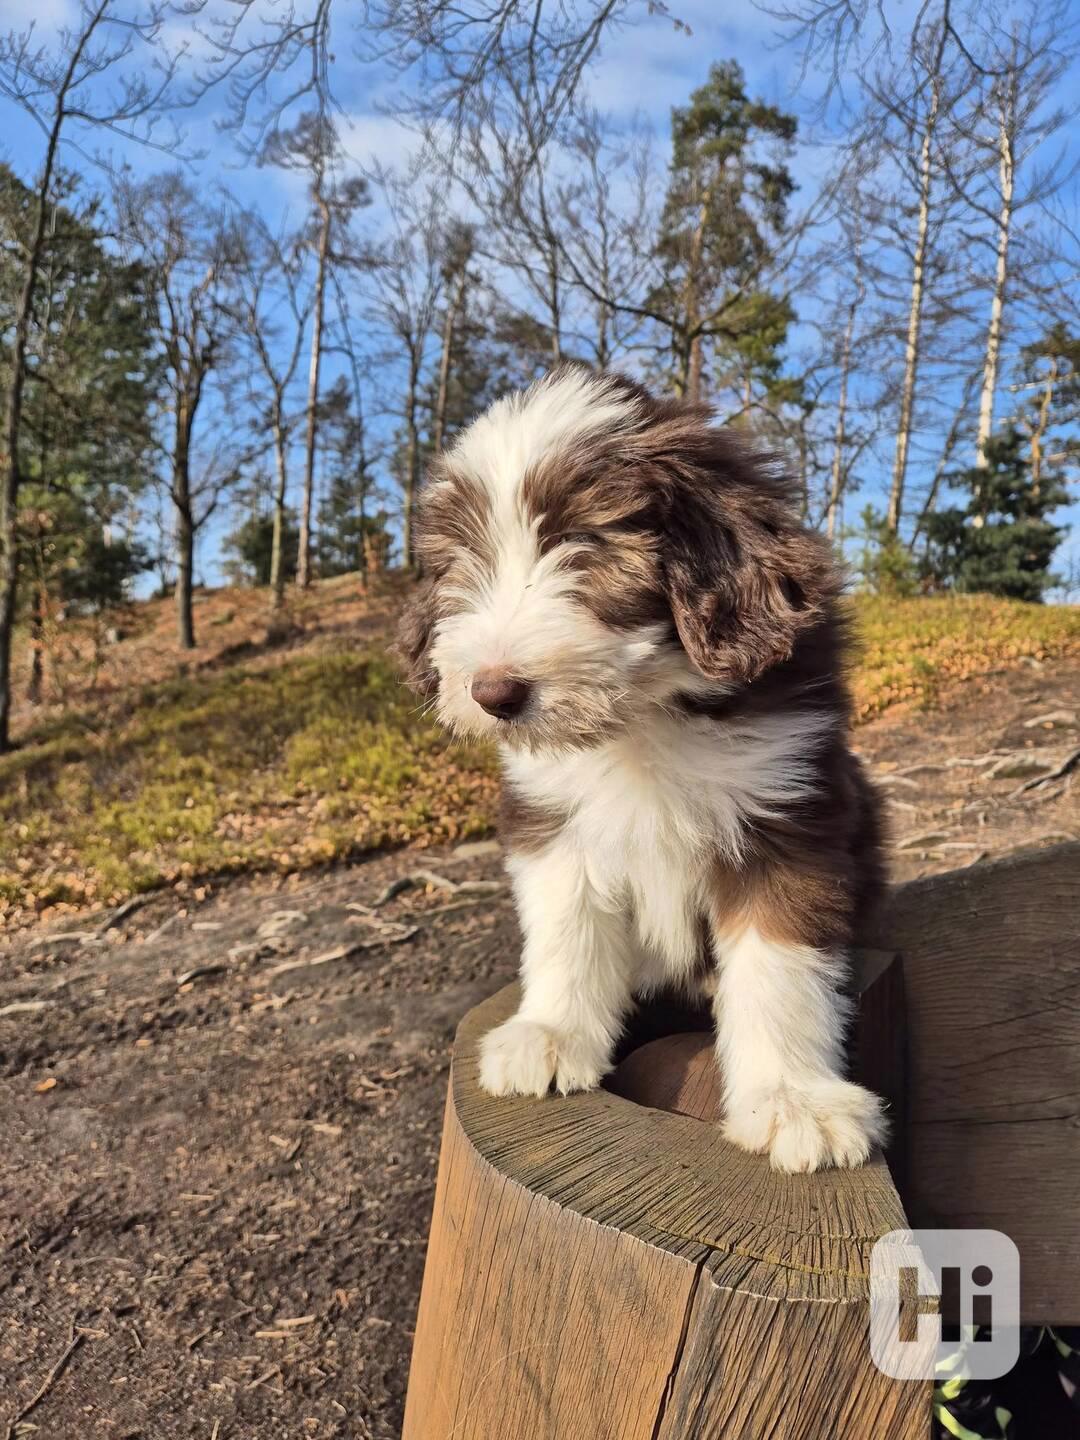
221, 1121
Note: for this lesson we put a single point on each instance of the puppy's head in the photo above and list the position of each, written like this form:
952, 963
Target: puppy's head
588, 552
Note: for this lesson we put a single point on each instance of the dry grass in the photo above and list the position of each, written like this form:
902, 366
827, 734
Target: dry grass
290, 752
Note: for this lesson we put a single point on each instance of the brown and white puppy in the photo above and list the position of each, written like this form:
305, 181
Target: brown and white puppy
624, 598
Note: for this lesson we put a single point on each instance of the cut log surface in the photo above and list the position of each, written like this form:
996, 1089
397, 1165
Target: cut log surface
602, 1270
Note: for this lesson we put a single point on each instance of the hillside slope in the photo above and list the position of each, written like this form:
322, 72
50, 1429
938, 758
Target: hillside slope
148, 766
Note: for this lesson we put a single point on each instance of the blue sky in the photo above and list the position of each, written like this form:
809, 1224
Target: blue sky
643, 70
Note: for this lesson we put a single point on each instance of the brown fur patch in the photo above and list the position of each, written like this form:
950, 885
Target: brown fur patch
454, 515
587, 495
813, 877
525, 827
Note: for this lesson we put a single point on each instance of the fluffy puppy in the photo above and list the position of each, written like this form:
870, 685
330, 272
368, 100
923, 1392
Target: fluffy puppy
625, 600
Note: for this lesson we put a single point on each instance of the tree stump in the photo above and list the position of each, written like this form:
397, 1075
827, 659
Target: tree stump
607, 1267
603, 1269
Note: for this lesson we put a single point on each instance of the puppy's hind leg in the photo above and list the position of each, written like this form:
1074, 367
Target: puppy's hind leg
576, 977
780, 1027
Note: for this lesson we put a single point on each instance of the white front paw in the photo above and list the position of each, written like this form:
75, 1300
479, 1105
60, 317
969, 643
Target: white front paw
808, 1126
521, 1057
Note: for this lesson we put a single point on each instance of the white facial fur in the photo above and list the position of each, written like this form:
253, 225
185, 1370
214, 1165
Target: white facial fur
523, 613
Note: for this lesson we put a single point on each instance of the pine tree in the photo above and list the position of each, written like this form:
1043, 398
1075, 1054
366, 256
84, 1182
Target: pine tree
1001, 541
251, 548
726, 212
86, 431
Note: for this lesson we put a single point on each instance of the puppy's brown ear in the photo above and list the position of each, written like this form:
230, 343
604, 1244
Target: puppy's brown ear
414, 640
744, 577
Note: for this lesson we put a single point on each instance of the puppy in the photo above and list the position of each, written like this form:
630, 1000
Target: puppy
624, 598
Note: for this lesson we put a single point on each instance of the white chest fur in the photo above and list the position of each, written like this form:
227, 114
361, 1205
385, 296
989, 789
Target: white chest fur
651, 810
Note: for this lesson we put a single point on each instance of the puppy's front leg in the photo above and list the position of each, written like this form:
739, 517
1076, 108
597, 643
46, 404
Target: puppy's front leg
576, 978
780, 1027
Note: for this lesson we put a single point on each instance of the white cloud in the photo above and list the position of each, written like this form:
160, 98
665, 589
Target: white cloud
46, 16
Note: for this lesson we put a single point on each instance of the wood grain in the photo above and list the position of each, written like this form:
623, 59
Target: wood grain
601, 1270
991, 977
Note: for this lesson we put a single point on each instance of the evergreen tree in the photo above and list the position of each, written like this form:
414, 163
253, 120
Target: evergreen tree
1001, 541
86, 432
885, 565
725, 213
251, 548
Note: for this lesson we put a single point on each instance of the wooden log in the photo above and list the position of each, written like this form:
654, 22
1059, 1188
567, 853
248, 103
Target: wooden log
991, 977
602, 1270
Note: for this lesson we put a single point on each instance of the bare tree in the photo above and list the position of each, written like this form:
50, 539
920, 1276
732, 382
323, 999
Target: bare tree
840, 466
1014, 119
312, 147
58, 88
192, 255
919, 113
458, 246
347, 344
269, 281
407, 287
607, 216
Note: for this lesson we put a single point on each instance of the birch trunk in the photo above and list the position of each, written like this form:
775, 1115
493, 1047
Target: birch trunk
303, 566
1001, 274
911, 351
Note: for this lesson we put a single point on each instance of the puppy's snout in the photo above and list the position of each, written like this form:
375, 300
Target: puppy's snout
500, 694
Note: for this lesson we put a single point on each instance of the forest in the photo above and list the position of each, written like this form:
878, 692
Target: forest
881, 287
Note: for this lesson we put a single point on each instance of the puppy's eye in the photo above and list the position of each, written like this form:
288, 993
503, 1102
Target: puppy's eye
579, 537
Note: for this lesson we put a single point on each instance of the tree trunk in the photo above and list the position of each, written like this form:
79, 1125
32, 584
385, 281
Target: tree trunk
277, 544
693, 359
997, 298
36, 685
303, 566
911, 354
10, 477
838, 475
453, 309
185, 527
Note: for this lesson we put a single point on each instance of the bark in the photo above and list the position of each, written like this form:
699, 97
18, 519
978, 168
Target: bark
1001, 275
918, 282
10, 477
303, 569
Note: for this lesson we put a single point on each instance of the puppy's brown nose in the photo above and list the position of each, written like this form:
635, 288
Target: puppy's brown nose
500, 694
